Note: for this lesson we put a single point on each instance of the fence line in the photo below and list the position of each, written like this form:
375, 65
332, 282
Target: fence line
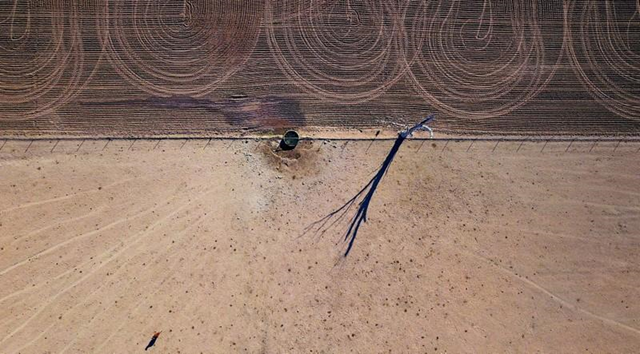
447, 140
391, 138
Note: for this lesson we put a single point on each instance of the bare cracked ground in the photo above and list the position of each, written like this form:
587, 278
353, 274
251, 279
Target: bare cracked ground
466, 250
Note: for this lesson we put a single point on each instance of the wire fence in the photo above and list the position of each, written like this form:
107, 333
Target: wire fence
466, 144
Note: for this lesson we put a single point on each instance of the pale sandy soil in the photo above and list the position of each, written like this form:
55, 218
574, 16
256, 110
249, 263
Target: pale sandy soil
467, 250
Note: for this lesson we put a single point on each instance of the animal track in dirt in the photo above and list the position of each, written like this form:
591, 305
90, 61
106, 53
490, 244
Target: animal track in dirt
299, 162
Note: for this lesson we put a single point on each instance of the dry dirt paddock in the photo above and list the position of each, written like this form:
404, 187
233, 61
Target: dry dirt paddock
467, 250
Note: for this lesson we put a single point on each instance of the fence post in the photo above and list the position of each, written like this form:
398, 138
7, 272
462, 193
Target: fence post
544, 146
79, 146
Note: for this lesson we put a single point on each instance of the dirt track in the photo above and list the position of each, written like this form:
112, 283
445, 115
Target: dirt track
192, 67
467, 250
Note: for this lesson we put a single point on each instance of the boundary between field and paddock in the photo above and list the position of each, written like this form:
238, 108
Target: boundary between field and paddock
612, 144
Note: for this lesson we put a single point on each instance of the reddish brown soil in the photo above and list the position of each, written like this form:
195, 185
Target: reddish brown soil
474, 249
